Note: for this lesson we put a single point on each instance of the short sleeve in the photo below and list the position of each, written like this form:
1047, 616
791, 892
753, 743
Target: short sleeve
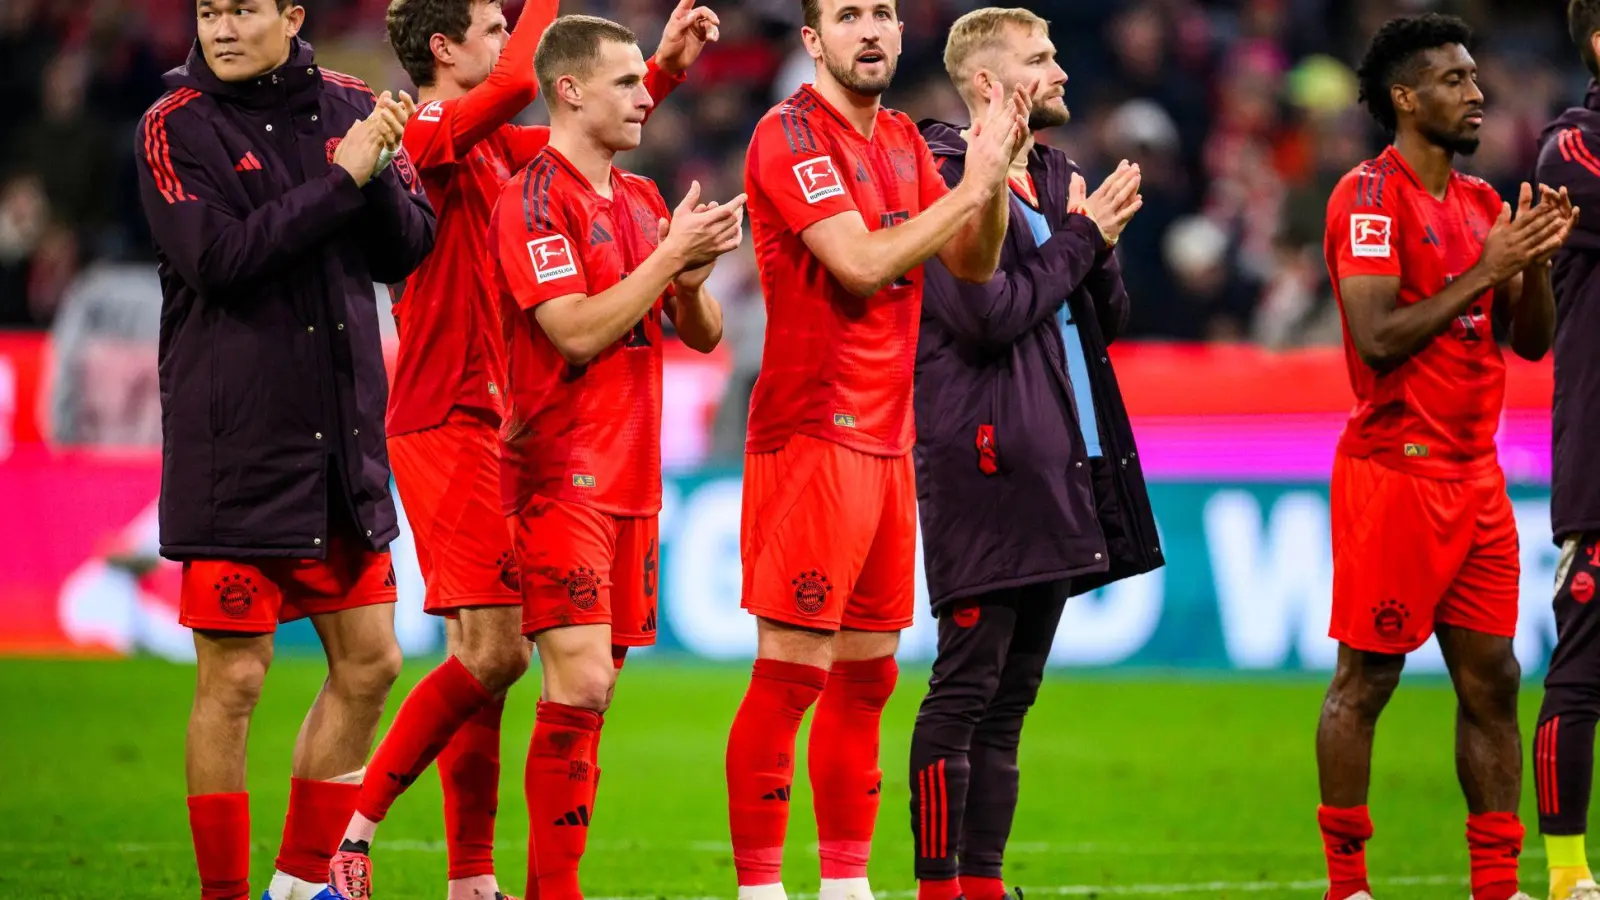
1363, 226
792, 168
930, 181
536, 248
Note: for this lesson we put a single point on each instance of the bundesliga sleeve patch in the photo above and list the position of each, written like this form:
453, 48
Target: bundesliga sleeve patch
1369, 235
552, 258
819, 180
433, 112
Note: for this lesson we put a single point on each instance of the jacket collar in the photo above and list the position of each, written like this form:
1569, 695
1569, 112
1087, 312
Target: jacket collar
294, 83
945, 139
1591, 100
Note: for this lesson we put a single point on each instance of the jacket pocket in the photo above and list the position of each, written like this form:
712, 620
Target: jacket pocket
988, 461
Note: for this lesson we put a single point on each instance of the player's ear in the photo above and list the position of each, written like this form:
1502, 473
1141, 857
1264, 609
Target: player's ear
813, 41
440, 47
293, 19
568, 89
1403, 98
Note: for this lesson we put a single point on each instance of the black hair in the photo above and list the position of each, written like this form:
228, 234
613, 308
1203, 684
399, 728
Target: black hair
1395, 57
1583, 20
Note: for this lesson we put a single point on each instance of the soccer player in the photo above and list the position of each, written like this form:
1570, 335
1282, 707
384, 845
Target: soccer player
586, 252
445, 412
264, 181
846, 205
1563, 744
1028, 483
1424, 262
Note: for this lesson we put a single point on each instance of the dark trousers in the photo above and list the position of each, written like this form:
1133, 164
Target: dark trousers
992, 654
1563, 744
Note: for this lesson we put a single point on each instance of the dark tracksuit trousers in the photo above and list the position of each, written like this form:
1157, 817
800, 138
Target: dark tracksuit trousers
1563, 744
991, 660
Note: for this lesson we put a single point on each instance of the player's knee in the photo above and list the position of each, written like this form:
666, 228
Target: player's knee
233, 683
1489, 686
498, 664
368, 673
1364, 691
589, 686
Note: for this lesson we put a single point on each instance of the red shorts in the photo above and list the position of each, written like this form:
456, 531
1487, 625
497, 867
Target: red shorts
253, 597
1410, 553
449, 482
829, 537
580, 566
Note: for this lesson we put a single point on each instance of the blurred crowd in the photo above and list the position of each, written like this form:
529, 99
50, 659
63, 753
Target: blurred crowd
1242, 114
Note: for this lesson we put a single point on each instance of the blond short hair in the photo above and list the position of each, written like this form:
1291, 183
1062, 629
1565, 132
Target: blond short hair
980, 31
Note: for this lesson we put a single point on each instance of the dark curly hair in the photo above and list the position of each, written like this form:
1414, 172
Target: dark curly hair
1395, 57
412, 25
1583, 20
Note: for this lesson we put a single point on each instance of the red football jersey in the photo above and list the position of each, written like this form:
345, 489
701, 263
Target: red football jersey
835, 366
452, 336
1435, 414
588, 434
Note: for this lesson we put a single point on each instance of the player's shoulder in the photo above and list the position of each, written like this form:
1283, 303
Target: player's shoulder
176, 106
538, 195
348, 88
1480, 190
797, 125
1375, 183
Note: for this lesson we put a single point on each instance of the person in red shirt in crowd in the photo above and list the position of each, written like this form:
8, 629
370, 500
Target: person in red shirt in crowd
446, 405
1424, 262
585, 251
846, 204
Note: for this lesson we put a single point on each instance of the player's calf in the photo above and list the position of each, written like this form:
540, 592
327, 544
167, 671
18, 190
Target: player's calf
1362, 684
230, 672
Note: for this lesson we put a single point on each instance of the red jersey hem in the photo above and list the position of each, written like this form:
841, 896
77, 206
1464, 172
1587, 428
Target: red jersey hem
867, 446
1436, 470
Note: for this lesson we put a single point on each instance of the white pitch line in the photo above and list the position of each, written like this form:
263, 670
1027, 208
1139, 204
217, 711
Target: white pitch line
1142, 890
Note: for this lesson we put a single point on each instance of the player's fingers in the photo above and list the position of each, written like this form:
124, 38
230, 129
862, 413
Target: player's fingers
691, 199
1524, 198
682, 9
662, 227
1505, 213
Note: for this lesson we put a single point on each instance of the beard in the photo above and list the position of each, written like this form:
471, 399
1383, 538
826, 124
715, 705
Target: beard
864, 85
1455, 143
1042, 117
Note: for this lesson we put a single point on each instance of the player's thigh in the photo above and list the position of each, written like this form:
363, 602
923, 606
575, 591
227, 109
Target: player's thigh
884, 597
1483, 596
449, 480
1398, 542
231, 597
811, 513
564, 557
635, 578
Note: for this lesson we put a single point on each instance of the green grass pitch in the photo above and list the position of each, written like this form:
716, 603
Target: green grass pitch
1132, 786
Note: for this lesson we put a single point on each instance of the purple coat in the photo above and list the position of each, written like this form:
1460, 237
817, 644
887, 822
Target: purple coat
1569, 156
1006, 492
273, 386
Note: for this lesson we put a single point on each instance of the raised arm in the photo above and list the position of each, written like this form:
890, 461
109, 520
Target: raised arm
445, 130
214, 247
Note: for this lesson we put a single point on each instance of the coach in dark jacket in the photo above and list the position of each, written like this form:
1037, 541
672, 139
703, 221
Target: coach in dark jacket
1028, 481
271, 365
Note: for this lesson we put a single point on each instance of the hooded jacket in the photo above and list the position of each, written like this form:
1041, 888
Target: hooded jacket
1569, 157
271, 368
1006, 491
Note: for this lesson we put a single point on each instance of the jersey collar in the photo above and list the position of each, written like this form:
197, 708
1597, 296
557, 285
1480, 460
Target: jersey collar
562, 161
815, 95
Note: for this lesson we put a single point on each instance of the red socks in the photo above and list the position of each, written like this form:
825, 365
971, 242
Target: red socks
1345, 833
845, 779
469, 771
319, 812
560, 783
433, 712
976, 888
220, 824
939, 889
1494, 841
760, 765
